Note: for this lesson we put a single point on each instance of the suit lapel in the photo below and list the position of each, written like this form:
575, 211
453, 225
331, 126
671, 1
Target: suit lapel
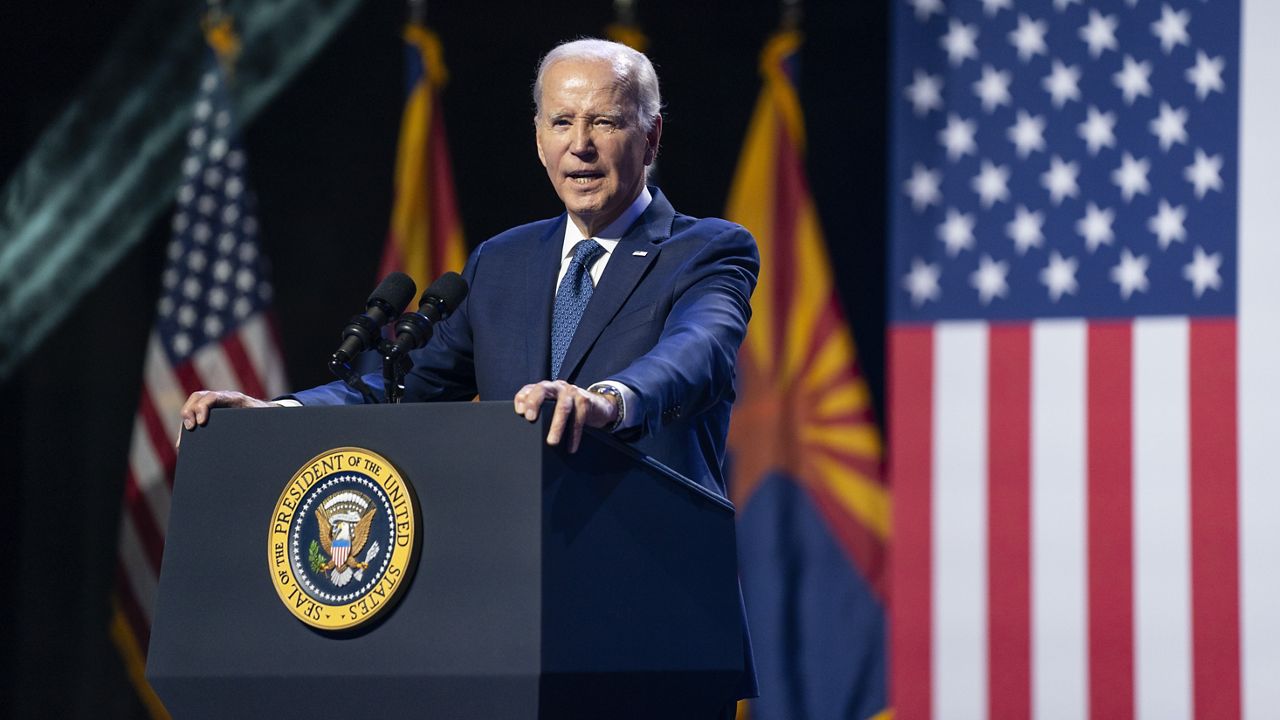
543, 265
621, 275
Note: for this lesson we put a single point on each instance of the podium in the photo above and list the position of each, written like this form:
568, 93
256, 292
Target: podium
553, 585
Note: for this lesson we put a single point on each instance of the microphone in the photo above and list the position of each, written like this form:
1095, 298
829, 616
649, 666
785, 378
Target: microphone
362, 332
414, 329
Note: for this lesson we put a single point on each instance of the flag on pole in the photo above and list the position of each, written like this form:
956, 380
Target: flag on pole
213, 329
805, 454
425, 238
1079, 420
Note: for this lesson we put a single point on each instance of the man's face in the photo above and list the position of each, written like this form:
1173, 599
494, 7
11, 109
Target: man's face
589, 142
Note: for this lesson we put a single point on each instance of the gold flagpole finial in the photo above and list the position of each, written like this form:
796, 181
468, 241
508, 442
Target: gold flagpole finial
220, 33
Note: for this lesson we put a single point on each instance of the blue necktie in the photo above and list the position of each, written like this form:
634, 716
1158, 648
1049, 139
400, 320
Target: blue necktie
571, 300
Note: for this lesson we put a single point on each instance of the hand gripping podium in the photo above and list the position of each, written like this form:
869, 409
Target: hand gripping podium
594, 585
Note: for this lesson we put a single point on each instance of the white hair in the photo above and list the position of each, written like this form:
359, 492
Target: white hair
632, 68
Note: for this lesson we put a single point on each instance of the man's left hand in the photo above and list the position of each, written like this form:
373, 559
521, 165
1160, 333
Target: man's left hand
575, 407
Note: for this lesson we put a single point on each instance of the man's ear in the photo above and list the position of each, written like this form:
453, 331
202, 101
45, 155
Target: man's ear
652, 139
537, 142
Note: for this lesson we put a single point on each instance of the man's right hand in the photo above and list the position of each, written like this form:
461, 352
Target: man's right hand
195, 411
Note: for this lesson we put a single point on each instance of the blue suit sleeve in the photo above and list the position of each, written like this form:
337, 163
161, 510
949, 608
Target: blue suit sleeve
691, 366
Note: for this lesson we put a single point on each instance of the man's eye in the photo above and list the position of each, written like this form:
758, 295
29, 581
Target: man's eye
605, 122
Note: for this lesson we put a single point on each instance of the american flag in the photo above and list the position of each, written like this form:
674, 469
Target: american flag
1082, 339
212, 330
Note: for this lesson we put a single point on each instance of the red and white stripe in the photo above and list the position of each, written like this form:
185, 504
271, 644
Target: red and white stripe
247, 359
1087, 513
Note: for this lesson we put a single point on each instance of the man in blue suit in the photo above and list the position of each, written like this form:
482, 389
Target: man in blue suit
625, 313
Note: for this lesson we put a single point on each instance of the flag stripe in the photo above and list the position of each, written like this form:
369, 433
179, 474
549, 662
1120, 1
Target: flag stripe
139, 623
910, 431
1258, 360
138, 572
1215, 599
1110, 540
1059, 575
786, 211
153, 442
246, 376
166, 393
212, 368
1162, 585
1008, 545
960, 520
150, 532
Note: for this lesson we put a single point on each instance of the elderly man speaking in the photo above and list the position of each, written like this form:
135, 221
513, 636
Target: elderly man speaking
625, 313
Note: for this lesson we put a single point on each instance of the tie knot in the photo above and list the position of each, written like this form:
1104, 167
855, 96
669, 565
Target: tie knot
586, 251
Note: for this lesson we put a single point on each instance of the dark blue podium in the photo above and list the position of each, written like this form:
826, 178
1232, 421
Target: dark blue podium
599, 584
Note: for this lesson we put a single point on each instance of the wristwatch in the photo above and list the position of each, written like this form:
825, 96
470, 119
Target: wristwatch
612, 393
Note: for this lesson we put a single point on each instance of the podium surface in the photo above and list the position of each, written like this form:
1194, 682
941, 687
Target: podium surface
547, 585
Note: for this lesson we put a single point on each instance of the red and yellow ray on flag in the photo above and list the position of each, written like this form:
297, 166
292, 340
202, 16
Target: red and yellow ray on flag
425, 238
804, 408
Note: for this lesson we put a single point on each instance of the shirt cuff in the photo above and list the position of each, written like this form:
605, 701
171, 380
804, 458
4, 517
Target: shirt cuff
286, 402
631, 410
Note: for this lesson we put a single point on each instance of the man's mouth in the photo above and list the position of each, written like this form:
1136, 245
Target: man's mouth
584, 177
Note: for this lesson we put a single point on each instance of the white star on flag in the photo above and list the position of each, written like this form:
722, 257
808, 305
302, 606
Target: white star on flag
960, 42
925, 92
1134, 79
1098, 130
1170, 126
925, 8
1060, 179
1171, 28
993, 88
1131, 177
1029, 38
1095, 226
1206, 74
1026, 229
1204, 173
1100, 33
1063, 83
1131, 273
1027, 134
923, 187
1060, 276
1202, 271
992, 183
958, 136
956, 232
922, 282
1167, 224
989, 279
991, 7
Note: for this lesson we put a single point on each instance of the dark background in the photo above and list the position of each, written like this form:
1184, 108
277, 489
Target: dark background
321, 158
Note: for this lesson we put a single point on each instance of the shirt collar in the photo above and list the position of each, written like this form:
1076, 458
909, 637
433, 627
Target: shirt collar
613, 232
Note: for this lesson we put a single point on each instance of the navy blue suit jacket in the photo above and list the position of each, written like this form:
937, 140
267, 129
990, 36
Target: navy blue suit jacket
666, 319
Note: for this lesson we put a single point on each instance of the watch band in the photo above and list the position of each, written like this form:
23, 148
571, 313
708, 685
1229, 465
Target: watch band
618, 402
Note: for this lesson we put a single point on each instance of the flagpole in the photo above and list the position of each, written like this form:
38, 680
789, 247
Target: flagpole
791, 14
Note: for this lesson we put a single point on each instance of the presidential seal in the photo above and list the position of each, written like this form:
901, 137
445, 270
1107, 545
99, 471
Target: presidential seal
343, 539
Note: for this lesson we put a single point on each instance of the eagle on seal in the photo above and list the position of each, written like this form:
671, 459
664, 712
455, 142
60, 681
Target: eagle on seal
343, 536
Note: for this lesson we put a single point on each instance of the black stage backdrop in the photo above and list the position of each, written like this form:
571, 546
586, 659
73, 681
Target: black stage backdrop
321, 158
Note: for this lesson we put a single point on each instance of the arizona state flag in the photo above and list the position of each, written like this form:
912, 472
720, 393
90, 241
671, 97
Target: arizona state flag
425, 238
805, 452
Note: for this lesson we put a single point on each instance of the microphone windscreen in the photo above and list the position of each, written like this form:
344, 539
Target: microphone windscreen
450, 288
396, 290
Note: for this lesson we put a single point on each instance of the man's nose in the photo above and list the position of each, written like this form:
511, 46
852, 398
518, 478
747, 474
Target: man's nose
582, 142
